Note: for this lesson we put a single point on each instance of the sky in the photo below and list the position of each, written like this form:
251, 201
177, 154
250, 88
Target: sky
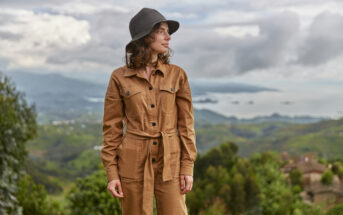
262, 38
263, 42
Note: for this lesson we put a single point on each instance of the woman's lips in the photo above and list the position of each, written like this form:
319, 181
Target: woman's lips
165, 45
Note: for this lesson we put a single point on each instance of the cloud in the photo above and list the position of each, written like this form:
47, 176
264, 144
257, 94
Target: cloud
29, 37
324, 42
215, 39
215, 55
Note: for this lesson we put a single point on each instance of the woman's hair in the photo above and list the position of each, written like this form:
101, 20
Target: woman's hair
138, 53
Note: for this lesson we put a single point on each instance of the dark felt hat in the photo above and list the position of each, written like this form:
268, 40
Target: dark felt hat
143, 22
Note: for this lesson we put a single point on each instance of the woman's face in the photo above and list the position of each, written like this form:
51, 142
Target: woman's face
162, 37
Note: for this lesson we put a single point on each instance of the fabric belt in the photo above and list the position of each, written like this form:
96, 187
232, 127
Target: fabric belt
148, 183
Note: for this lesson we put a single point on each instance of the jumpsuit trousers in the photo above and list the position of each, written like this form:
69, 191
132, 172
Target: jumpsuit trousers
138, 193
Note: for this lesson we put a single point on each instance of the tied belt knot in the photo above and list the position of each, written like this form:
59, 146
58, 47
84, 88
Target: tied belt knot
148, 182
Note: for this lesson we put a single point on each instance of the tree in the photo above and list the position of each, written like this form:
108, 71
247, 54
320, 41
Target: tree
277, 197
327, 177
224, 183
17, 125
296, 177
336, 210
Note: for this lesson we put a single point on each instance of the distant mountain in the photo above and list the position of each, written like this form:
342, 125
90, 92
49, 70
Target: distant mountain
324, 137
56, 93
58, 97
211, 117
202, 87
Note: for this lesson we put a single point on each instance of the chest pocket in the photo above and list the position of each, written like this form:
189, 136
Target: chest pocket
167, 98
134, 101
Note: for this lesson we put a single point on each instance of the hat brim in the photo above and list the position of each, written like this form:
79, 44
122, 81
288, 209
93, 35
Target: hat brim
172, 25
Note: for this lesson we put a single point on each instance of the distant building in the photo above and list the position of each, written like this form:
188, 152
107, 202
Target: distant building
63, 122
314, 191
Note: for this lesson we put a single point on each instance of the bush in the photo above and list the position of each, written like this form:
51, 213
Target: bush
33, 198
327, 177
90, 196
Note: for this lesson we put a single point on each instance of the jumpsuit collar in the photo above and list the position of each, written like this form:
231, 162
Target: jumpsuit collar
160, 67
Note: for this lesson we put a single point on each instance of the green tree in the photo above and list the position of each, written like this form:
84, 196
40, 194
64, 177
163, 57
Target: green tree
33, 198
277, 197
224, 155
336, 210
217, 208
90, 196
226, 185
337, 168
17, 125
327, 177
296, 177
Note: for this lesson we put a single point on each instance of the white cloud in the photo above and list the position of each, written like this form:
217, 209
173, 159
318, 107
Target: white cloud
40, 34
262, 38
238, 31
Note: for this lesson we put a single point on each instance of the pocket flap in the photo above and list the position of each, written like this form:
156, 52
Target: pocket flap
132, 91
169, 88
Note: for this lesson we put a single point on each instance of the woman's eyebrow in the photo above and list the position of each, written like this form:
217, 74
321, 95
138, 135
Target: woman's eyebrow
164, 28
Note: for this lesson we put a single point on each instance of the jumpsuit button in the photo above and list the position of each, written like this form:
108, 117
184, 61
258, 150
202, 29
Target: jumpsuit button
153, 159
172, 89
150, 88
152, 105
154, 142
154, 123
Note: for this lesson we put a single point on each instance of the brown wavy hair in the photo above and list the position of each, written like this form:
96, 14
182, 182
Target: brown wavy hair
138, 53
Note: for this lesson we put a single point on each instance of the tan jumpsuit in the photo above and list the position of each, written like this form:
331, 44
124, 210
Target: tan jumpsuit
149, 138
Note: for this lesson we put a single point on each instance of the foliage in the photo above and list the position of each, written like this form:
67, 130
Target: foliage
336, 210
296, 177
277, 198
17, 125
228, 184
90, 196
33, 198
65, 151
327, 177
337, 168
223, 183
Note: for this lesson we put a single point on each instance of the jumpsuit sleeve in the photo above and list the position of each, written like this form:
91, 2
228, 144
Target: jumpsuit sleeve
112, 128
185, 124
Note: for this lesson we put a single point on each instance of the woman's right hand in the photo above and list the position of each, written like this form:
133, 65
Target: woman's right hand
114, 187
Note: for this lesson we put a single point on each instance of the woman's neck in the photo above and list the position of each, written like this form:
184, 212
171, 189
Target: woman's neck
153, 58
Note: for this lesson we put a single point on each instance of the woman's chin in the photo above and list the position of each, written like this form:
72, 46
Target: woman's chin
163, 51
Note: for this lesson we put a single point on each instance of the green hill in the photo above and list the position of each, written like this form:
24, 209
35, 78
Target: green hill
69, 150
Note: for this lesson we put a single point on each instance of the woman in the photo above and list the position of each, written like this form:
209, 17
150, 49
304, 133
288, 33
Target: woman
151, 98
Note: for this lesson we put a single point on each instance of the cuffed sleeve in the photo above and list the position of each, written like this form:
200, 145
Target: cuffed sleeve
112, 128
185, 126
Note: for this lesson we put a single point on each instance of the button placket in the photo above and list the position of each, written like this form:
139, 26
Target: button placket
152, 100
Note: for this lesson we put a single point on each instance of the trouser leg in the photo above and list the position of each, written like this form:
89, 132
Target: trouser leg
131, 204
132, 178
169, 200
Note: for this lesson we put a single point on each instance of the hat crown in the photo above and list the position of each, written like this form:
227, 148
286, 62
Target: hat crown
144, 20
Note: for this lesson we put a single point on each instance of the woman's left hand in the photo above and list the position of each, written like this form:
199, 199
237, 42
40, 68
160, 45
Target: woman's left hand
185, 188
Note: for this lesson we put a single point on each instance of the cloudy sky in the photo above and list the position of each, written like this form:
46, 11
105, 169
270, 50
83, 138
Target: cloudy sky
267, 42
